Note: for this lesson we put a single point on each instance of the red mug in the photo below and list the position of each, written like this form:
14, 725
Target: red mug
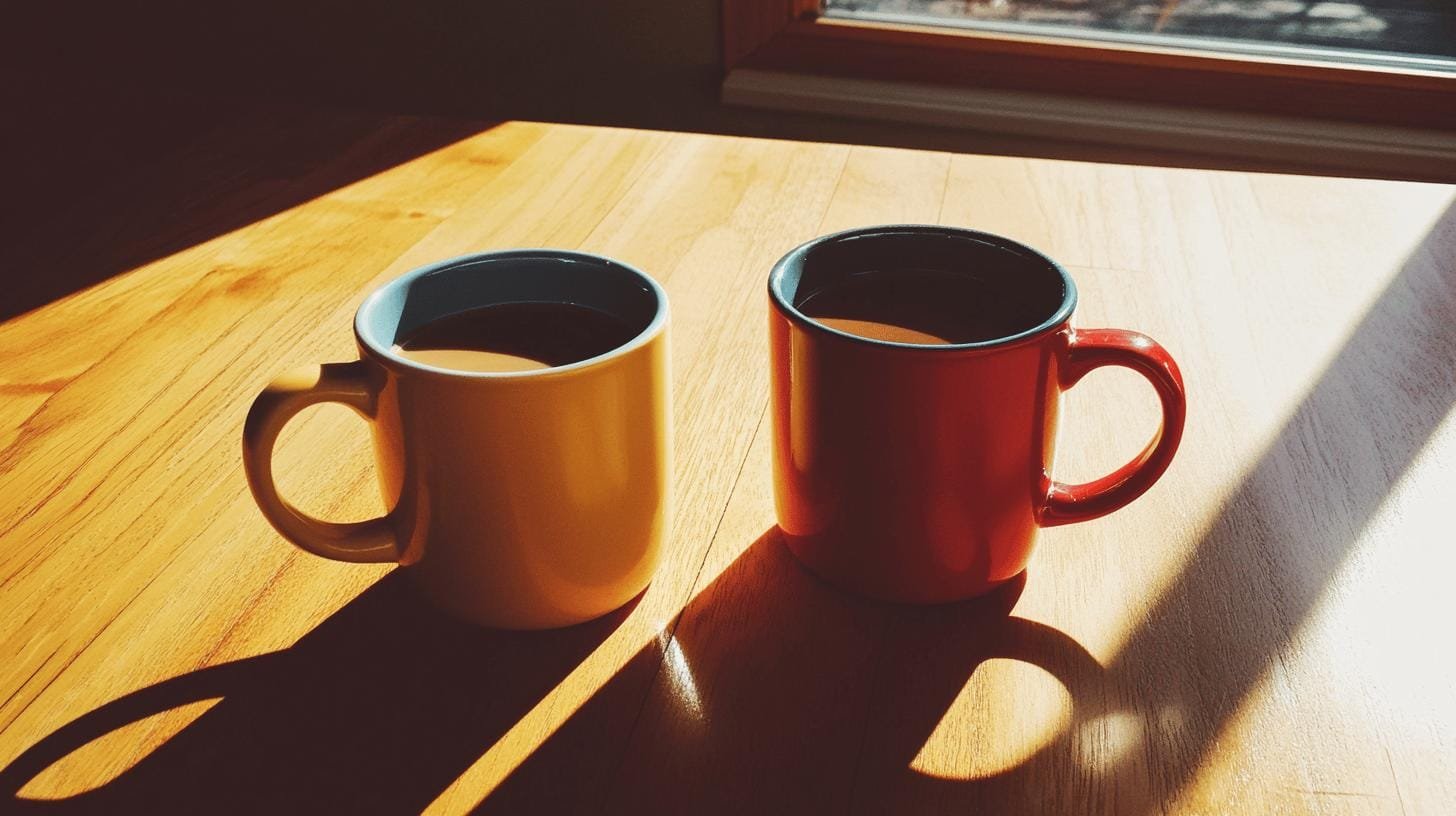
921, 473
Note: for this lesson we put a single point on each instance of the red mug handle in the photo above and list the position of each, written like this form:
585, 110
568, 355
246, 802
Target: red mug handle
1093, 348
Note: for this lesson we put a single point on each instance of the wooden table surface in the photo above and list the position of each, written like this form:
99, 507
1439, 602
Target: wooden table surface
1263, 632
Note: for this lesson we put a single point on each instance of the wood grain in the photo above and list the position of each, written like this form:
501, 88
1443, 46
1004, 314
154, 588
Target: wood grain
1259, 634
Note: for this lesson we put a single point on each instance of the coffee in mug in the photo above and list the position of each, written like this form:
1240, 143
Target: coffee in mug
920, 306
515, 337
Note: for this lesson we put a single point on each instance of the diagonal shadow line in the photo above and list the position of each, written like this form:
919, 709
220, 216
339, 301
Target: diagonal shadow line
214, 172
1252, 581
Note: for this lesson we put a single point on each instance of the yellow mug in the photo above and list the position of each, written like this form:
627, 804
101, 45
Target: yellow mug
519, 500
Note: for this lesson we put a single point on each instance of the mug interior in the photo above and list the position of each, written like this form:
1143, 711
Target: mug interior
1027, 292
400, 307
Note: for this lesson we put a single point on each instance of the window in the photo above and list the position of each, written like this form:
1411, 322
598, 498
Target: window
1415, 34
1386, 63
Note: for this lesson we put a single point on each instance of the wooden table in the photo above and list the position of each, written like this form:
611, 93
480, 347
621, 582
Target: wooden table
1266, 631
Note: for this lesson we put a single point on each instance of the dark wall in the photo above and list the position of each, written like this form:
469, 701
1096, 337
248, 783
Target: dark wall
93, 91
438, 56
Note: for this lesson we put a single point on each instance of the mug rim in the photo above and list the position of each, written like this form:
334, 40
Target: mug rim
387, 356
794, 261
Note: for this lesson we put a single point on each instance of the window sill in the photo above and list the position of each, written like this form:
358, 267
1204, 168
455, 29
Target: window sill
1361, 148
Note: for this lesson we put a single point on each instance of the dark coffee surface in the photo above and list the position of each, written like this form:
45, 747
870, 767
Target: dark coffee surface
914, 306
515, 337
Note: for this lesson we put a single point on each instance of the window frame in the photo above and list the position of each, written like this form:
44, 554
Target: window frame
791, 36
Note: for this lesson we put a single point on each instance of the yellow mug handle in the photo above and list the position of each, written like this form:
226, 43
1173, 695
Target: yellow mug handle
371, 541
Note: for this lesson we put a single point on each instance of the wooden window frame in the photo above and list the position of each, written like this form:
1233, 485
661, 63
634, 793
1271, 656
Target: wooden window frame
790, 36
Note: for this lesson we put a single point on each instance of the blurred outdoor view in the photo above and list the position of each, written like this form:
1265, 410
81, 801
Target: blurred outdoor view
1417, 34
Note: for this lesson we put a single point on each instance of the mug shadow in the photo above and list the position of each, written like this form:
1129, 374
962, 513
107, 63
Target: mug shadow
376, 710
795, 674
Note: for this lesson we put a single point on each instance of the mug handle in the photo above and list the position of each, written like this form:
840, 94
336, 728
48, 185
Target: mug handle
371, 541
1094, 348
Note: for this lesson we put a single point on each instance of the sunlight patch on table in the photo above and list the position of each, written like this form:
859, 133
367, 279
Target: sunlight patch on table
1006, 713
107, 757
1389, 608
